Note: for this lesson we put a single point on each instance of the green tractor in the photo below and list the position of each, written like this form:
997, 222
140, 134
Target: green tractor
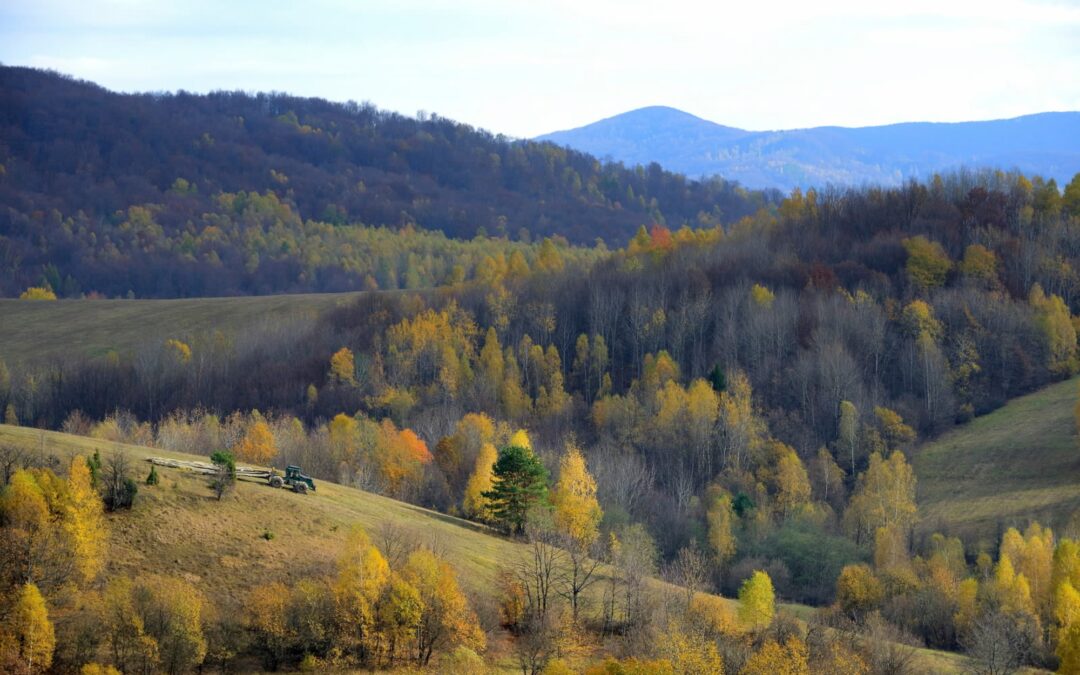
294, 478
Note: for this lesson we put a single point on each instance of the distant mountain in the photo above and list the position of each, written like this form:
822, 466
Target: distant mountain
1047, 144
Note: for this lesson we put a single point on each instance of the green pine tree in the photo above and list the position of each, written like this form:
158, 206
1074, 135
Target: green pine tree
520, 481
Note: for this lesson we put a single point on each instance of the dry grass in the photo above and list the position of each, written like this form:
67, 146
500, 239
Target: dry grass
1017, 464
33, 330
178, 528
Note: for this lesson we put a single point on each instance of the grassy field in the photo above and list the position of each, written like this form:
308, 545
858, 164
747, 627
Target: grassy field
178, 528
30, 330
1017, 464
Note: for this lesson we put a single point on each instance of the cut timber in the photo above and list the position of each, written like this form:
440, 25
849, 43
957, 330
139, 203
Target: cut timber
208, 468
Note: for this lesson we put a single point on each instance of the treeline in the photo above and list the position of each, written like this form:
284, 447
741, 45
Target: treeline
76, 159
249, 243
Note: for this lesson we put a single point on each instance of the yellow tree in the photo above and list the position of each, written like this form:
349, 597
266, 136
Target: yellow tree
702, 411
398, 616
1066, 605
1055, 320
927, 263
690, 652
84, 521
38, 293
447, 621
28, 640
475, 505
741, 430
257, 444
884, 496
1068, 649
577, 519
266, 606
791, 658
577, 512
858, 591
362, 574
980, 265
25, 514
720, 517
343, 367
756, 601
791, 481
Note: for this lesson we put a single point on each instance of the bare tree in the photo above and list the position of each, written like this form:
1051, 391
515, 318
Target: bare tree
690, 569
998, 644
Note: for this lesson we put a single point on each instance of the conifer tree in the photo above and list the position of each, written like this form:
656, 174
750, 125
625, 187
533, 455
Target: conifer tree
520, 482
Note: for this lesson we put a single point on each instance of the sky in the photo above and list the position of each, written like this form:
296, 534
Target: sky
528, 67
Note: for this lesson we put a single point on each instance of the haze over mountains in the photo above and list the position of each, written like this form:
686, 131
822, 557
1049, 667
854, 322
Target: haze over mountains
1047, 144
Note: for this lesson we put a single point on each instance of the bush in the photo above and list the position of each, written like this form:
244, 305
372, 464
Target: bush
152, 479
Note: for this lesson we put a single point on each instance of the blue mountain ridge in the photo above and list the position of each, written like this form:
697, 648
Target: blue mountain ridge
1047, 144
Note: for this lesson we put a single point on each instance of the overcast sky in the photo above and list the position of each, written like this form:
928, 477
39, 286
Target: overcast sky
525, 68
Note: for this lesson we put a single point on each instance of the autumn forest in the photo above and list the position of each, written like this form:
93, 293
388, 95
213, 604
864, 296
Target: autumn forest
694, 408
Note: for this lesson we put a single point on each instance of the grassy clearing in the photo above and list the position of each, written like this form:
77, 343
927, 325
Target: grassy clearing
1017, 464
178, 528
32, 330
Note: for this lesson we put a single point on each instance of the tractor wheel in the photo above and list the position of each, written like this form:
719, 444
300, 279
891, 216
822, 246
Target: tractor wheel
300, 487
276, 481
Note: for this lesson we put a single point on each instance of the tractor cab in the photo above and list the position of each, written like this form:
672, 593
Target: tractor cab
293, 475
294, 478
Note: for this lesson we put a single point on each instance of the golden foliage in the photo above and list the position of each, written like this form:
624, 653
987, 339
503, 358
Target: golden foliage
343, 367
979, 264
691, 653
756, 601
577, 512
927, 263
447, 621
362, 575
179, 351
713, 615
720, 517
98, 669
838, 659
84, 521
762, 296
1055, 320
27, 640
1068, 649
257, 444
884, 496
791, 658
38, 293
858, 590
475, 505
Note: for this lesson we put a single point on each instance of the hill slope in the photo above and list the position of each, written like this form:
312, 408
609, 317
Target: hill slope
75, 158
178, 528
1017, 464
39, 331
1047, 144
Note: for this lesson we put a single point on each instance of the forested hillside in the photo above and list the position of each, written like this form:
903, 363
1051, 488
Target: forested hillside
179, 195
744, 399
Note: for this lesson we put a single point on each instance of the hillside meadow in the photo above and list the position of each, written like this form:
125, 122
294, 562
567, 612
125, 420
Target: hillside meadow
1015, 465
32, 331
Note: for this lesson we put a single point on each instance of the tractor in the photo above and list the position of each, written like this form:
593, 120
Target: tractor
294, 478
